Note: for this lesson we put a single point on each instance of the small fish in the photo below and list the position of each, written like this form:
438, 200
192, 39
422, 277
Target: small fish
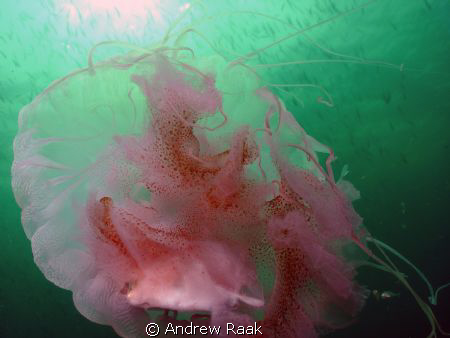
25, 17
387, 97
403, 207
333, 6
393, 26
404, 159
384, 295
389, 295
427, 5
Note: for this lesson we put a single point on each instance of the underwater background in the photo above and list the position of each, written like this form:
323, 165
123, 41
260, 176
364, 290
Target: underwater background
389, 122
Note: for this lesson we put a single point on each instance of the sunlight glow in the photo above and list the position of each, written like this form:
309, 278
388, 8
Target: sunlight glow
120, 15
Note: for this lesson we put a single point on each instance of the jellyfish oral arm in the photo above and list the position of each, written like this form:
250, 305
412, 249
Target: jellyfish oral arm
184, 288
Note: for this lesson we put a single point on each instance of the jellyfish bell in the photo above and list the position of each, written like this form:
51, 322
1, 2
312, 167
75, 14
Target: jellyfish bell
165, 179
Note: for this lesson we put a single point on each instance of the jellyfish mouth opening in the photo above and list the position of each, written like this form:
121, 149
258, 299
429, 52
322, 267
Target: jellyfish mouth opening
164, 287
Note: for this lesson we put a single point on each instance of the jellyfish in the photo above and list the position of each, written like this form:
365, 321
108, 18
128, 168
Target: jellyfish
169, 179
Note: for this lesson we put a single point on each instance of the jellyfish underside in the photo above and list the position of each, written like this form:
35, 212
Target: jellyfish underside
196, 191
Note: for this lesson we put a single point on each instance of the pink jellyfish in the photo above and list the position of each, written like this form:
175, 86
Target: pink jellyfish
183, 189
165, 180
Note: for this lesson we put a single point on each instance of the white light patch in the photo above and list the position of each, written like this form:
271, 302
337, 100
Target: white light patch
119, 15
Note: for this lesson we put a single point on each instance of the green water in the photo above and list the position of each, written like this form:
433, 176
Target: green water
389, 123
